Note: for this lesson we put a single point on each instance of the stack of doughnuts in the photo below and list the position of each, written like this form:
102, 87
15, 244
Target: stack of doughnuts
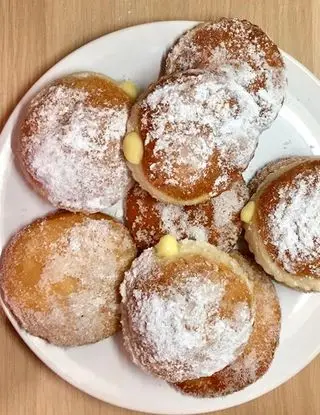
196, 129
193, 310
205, 321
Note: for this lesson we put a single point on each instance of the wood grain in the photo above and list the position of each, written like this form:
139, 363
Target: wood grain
35, 34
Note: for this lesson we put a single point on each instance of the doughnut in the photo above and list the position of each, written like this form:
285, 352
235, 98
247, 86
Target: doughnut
260, 348
216, 221
60, 276
69, 143
190, 135
186, 311
282, 224
241, 50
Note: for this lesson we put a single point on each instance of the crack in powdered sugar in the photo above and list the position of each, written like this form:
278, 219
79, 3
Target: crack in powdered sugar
76, 152
270, 97
195, 116
183, 325
294, 224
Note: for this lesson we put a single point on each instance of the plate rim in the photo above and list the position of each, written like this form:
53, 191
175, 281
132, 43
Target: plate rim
7, 128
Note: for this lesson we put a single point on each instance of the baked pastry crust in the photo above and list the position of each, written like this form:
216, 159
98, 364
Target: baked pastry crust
216, 221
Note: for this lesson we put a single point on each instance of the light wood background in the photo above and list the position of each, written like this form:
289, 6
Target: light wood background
34, 35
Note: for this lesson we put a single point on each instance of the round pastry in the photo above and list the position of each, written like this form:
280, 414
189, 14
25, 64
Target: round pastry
190, 136
260, 348
216, 221
69, 144
282, 224
186, 310
241, 50
271, 167
60, 276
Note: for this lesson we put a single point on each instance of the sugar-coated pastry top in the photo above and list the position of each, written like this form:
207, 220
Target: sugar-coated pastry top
60, 276
187, 315
260, 348
269, 168
198, 131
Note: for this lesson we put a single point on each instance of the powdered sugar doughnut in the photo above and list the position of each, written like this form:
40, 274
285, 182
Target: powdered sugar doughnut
284, 231
188, 315
69, 146
216, 221
198, 131
60, 276
260, 348
241, 50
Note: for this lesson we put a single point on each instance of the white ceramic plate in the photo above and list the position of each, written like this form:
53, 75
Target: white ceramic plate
102, 369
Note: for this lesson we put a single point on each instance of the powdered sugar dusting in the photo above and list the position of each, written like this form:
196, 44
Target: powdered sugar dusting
185, 324
241, 50
77, 251
195, 115
176, 221
295, 223
75, 152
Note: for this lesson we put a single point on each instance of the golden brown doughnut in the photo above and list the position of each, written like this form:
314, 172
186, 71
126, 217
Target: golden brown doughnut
198, 131
269, 168
241, 50
69, 144
60, 276
187, 315
283, 232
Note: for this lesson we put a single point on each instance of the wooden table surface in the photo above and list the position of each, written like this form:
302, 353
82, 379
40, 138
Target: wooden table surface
34, 35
